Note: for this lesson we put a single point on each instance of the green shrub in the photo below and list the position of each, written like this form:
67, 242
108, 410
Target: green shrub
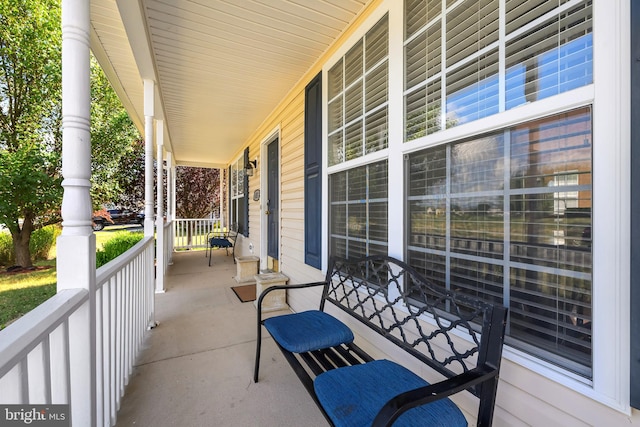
40, 245
42, 241
119, 244
6, 248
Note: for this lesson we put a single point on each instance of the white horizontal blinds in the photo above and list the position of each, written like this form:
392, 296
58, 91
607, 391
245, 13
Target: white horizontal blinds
520, 13
376, 87
237, 191
237, 179
353, 105
472, 34
472, 90
358, 97
338, 214
478, 166
336, 113
423, 66
547, 45
471, 26
550, 250
513, 207
378, 208
477, 197
418, 13
358, 212
547, 53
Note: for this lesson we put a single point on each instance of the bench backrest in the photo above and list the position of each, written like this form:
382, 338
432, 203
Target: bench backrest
455, 333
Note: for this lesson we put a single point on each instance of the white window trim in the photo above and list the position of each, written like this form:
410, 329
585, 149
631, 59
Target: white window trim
611, 208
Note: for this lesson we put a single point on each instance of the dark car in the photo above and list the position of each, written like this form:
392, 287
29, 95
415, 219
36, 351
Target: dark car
117, 217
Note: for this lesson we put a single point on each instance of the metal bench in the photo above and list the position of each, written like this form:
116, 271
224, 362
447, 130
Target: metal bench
458, 336
222, 239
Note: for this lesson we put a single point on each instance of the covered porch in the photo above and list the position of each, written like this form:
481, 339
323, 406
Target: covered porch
196, 367
268, 92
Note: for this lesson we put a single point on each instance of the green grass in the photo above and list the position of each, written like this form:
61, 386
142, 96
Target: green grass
22, 292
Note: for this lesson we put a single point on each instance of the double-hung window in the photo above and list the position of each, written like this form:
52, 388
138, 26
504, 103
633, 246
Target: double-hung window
237, 199
358, 126
453, 68
505, 214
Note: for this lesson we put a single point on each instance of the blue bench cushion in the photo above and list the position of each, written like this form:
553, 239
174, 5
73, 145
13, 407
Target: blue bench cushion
352, 396
219, 242
307, 331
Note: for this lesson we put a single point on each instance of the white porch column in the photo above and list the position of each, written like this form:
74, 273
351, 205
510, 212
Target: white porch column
174, 173
171, 210
170, 195
149, 112
76, 247
221, 189
160, 255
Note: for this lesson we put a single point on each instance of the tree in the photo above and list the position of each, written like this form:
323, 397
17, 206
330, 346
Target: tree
30, 119
197, 191
30, 113
117, 150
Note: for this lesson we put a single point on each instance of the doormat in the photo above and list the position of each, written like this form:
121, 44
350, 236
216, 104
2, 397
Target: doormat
245, 293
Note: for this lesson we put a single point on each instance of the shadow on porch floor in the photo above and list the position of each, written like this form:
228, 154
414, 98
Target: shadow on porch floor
197, 365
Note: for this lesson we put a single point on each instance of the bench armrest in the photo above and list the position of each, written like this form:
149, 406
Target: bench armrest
275, 288
216, 234
395, 407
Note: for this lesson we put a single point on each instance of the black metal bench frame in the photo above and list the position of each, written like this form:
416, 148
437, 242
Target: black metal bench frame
229, 236
376, 292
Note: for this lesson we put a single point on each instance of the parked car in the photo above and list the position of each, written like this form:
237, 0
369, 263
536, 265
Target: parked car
116, 217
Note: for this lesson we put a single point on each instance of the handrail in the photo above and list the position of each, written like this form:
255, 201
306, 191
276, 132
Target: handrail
191, 233
79, 347
109, 269
26, 333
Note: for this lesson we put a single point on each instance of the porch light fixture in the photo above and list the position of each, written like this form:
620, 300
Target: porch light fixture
250, 166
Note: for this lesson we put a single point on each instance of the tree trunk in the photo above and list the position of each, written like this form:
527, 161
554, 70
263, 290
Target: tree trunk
21, 238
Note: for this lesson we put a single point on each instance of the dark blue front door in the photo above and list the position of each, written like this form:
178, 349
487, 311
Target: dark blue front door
273, 205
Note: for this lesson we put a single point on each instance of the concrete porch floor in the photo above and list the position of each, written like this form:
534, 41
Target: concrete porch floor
196, 368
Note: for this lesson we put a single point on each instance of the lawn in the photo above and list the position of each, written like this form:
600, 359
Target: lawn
24, 291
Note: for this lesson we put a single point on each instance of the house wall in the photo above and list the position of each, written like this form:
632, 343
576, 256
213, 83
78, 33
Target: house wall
530, 392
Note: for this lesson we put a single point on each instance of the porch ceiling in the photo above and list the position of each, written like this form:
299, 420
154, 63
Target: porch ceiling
220, 66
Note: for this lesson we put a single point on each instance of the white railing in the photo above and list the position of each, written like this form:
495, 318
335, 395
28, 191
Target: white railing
38, 352
168, 244
192, 233
124, 311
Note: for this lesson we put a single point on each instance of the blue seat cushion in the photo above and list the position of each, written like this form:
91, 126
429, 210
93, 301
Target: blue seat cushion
352, 396
307, 331
219, 242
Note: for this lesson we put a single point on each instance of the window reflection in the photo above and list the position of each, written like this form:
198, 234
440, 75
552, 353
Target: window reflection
548, 50
482, 217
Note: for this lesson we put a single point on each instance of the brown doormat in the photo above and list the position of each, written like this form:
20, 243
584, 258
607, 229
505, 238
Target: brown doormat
245, 293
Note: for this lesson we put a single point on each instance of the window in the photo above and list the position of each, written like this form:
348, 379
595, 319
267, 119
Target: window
507, 216
358, 98
358, 126
358, 211
238, 207
453, 74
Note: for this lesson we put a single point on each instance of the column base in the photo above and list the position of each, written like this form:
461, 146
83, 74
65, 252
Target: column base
276, 300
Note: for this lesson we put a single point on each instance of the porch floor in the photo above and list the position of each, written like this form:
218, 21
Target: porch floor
196, 368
